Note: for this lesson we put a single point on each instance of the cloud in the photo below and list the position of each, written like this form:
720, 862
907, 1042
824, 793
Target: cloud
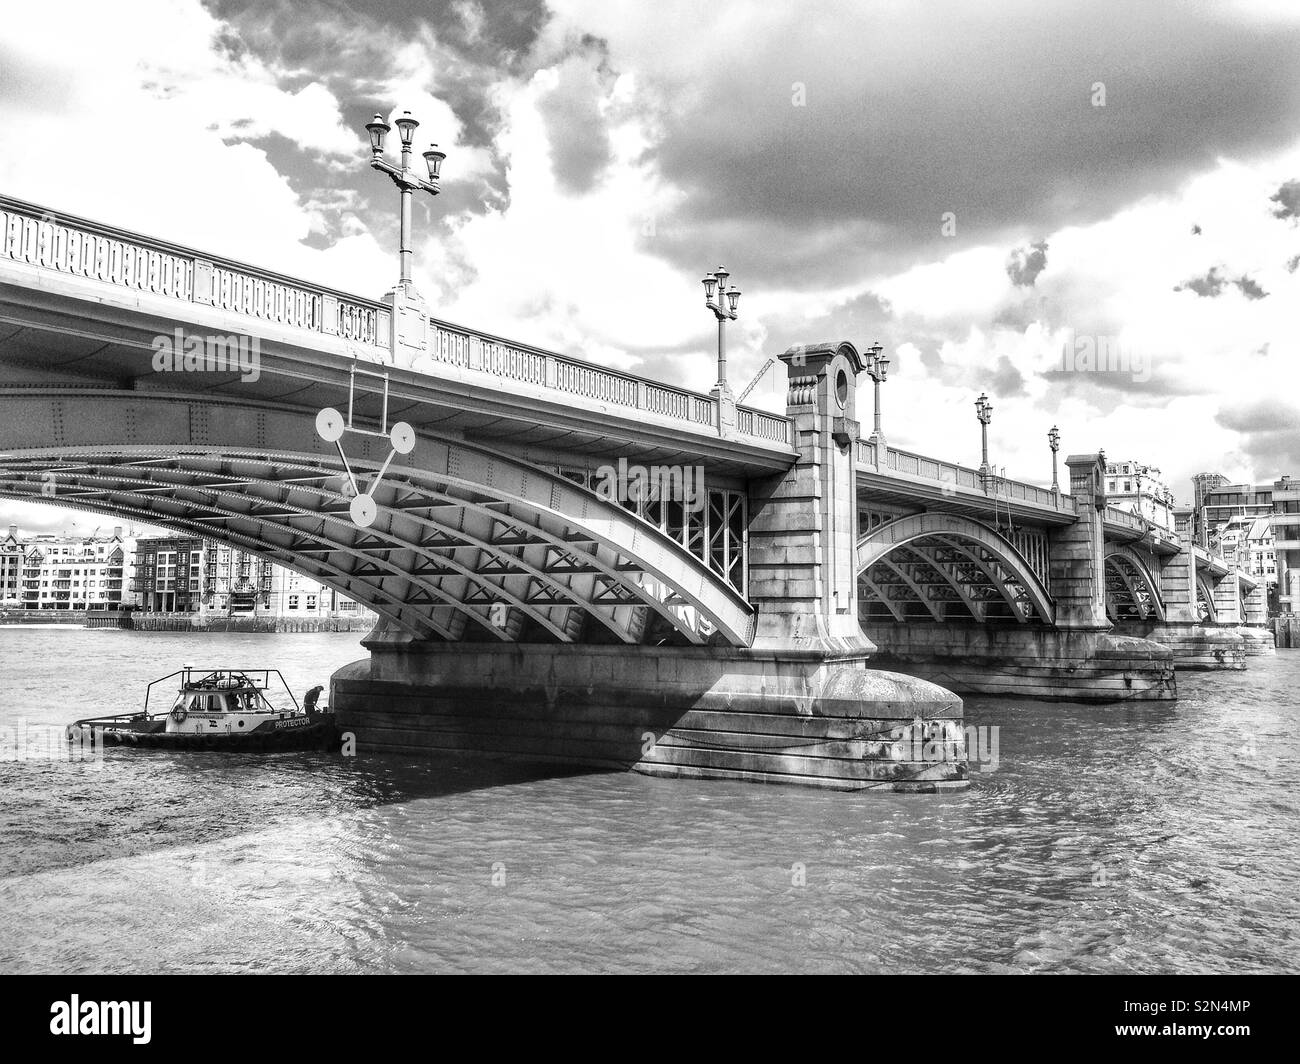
901, 122
1213, 283
1024, 264
1208, 286
575, 124
602, 154
1261, 415
1249, 288
1287, 199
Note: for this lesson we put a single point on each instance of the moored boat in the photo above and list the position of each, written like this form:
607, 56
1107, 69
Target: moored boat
217, 709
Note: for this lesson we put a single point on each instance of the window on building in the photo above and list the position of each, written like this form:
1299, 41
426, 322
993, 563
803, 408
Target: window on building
293, 602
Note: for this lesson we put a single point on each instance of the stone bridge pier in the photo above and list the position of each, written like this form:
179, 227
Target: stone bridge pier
795, 703
1254, 606
1057, 647
1209, 641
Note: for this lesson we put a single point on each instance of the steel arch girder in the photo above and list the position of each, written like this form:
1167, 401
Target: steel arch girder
905, 531
963, 594
418, 624
308, 484
995, 580
1143, 573
917, 589
595, 608
885, 600
1205, 594
176, 424
1130, 589
150, 477
267, 529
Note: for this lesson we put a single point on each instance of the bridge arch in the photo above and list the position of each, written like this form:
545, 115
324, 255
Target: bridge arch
942, 567
1132, 592
1206, 612
468, 542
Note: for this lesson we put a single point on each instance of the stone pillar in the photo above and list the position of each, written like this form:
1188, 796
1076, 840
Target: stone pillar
1259, 640
803, 524
1227, 601
726, 410
409, 340
1178, 586
1256, 606
1196, 644
1076, 553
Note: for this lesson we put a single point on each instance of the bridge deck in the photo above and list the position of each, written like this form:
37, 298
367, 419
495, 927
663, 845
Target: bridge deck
84, 300
906, 478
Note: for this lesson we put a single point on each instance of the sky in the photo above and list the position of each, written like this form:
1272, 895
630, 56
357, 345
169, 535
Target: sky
1088, 210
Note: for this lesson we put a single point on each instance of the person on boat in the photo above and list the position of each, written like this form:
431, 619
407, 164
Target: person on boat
310, 698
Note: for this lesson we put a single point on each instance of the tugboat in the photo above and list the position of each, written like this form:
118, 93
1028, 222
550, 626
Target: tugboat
218, 709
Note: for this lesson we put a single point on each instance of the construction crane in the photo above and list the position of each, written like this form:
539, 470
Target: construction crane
757, 377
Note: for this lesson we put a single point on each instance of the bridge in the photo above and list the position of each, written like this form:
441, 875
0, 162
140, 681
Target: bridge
573, 563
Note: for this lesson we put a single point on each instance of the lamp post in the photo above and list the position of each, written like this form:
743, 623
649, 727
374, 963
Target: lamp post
984, 411
1054, 442
406, 180
724, 309
877, 369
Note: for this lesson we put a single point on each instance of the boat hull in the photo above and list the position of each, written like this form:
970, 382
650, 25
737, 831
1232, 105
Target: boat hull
290, 734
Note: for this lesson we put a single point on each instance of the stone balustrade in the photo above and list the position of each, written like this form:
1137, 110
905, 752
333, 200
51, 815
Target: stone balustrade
85, 249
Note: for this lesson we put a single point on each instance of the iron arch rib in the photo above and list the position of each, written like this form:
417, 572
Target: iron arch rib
459, 527
1130, 577
974, 551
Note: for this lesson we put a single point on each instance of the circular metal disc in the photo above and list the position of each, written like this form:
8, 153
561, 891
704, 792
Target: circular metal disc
363, 510
329, 425
403, 437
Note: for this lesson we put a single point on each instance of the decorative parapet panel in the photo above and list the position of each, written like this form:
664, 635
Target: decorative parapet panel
82, 248
506, 360
907, 463
1117, 517
97, 252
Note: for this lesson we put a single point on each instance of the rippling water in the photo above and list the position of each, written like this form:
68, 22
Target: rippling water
1109, 839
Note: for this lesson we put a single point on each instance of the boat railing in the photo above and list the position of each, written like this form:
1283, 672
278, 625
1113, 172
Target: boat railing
250, 675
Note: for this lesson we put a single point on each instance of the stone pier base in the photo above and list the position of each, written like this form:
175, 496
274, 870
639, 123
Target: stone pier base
1048, 664
1199, 646
1259, 642
706, 713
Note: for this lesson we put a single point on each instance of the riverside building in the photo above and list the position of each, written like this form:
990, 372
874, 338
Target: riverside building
73, 573
203, 579
1140, 489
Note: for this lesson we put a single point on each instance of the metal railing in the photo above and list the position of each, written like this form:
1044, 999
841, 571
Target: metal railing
908, 463
85, 249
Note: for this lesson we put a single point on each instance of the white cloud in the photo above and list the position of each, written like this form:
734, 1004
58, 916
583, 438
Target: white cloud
136, 115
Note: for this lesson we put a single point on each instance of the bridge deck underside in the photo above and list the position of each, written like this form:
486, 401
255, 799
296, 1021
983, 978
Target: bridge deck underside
1132, 592
468, 544
940, 567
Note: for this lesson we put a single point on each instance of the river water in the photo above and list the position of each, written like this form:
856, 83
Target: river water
1156, 838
